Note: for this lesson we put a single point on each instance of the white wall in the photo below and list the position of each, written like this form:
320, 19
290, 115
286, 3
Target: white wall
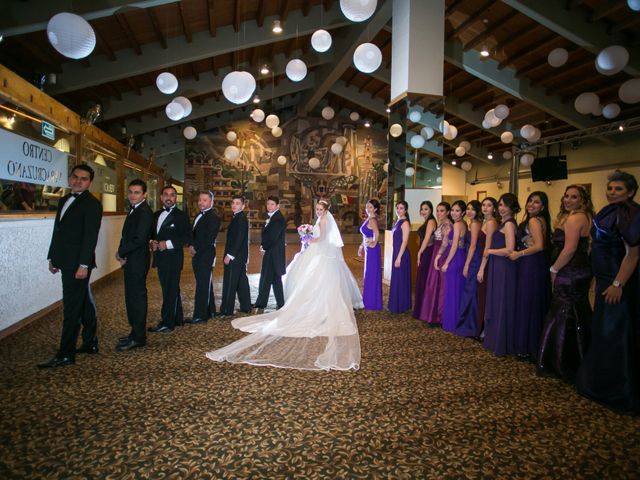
414, 197
28, 286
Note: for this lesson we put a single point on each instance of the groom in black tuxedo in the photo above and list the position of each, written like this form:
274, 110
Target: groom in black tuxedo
171, 232
236, 255
133, 255
203, 255
273, 260
72, 252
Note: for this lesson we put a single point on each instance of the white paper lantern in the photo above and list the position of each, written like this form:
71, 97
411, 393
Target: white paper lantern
395, 130
427, 132
507, 155
342, 140
439, 180
536, 135
611, 110
527, 131
506, 137
358, 10
328, 113
354, 116
612, 60
367, 58
282, 160
336, 148
466, 165
417, 141
276, 132
257, 115
296, 70
460, 151
238, 87
314, 163
409, 171
321, 40
634, 5
597, 111
272, 121
450, 132
186, 105
71, 35
466, 145
557, 57
486, 124
629, 91
501, 112
526, 160
415, 116
174, 111
231, 152
586, 102
189, 133
443, 125
232, 136
167, 83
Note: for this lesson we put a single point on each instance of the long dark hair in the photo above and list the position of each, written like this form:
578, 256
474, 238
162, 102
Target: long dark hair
544, 214
447, 206
462, 206
406, 208
375, 203
494, 202
476, 206
431, 216
511, 202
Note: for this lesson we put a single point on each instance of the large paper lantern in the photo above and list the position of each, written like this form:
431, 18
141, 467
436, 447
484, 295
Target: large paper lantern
611, 110
506, 137
232, 136
282, 160
189, 133
354, 116
342, 140
415, 116
257, 115
167, 83
527, 131
395, 130
71, 35
367, 58
296, 70
231, 152
450, 132
586, 102
186, 105
328, 113
612, 60
238, 87
460, 151
276, 132
557, 57
629, 91
466, 165
501, 112
417, 141
491, 118
507, 155
535, 136
466, 145
336, 148
174, 111
272, 121
314, 163
486, 124
634, 5
321, 40
358, 10
427, 132
410, 171
526, 160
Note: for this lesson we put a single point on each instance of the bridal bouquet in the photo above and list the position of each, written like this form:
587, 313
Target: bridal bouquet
305, 232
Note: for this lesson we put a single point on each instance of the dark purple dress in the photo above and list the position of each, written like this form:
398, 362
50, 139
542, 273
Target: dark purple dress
454, 283
426, 258
533, 295
501, 300
432, 301
467, 325
482, 287
565, 336
400, 289
372, 290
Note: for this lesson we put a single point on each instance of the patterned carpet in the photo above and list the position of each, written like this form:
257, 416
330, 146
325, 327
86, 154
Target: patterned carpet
425, 404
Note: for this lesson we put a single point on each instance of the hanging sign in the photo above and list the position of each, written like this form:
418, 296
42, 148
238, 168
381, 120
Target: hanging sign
48, 130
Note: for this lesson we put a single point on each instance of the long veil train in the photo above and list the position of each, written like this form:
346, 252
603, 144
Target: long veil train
316, 328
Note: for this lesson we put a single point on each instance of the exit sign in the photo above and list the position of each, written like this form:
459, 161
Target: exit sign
48, 131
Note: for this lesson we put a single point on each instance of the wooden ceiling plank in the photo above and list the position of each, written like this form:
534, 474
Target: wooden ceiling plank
236, 16
606, 11
156, 28
212, 18
185, 25
131, 39
470, 20
630, 22
452, 7
541, 44
261, 12
104, 46
284, 10
490, 30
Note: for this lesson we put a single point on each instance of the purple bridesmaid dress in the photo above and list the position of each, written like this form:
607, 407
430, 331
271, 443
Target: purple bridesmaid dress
454, 284
500, 309
400, 289
433, 298
426, 258
482, 287
372, 290
467, 325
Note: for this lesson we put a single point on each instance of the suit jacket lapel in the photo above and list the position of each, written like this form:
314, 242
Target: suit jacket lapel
167, 218
73, 205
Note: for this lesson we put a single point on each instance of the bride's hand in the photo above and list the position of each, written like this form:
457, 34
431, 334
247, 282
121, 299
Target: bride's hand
360, 251
397, 263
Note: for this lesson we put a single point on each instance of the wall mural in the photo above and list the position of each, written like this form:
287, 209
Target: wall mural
313, 158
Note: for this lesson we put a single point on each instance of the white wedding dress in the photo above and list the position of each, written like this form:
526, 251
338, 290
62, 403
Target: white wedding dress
315, 329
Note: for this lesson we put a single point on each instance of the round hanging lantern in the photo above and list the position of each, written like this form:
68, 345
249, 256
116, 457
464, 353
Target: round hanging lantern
276, 132
395, 130
526, 160
629, 91
415, 116
586, 102
506, 137
491, 118
238, 87
71, 35
321, 40
507, 155
257, 115
634, 5
189, 133
612, 60
409, 171
231, 152
355, 116
174, 111
341, 140
427, 132
439, 180
336, 148
443, 125
597, 111
466, 165
232, 136
167, 83
296, 70
611, 110
314, 163
501, 112
417, 141
282, 160
450, 132
557, 57
186, 105
486, 124
328, 113
466, 145
527, 131
536, 135
272, 121
367, 58
460, 151
358, 10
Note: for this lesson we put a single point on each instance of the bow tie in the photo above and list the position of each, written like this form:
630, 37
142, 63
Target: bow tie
75, 195
202, 212
167, 209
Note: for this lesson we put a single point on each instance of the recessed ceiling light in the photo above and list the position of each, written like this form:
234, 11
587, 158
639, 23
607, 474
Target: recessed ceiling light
264, 69
490, 156
276, 27
367, 123
485, 51
453, 162
388, 110
256, 99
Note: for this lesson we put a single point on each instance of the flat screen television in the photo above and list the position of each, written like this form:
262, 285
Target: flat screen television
549, 168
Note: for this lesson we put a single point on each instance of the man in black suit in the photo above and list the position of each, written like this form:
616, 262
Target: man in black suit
72, 252
273, 260
133, 255
203, 255
171, 232
236, 255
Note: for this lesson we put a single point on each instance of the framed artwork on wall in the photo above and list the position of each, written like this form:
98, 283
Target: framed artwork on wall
481, 195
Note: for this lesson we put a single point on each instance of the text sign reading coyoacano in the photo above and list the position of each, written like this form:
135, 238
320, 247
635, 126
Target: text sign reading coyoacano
24, 160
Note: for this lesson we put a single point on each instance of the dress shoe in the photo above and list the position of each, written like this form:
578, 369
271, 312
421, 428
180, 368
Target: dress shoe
194, 321
161, 329
258, 310
86, 349
57, 362
123, 347
124, 339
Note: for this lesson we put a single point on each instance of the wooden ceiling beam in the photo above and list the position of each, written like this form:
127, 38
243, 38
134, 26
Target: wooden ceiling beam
254, 57
194, 72
214, 67
236, 16
211, 16
471, 20
284, 11
131, 39
306, 7
452, 6
541, 44
630, 22
350, 79
566, 71
606, 11
490, 30
185, 24
134, 86
261, 13
104, 46
156, 28
366, 84
377, 93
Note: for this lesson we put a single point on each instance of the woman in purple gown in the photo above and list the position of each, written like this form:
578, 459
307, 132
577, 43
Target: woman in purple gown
452, 266
370, 249
565, 335
501, 284
432, 301
425, 254
534, 287
489, 227
467, 325
400, 288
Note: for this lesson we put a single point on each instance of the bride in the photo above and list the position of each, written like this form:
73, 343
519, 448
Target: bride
315, 329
